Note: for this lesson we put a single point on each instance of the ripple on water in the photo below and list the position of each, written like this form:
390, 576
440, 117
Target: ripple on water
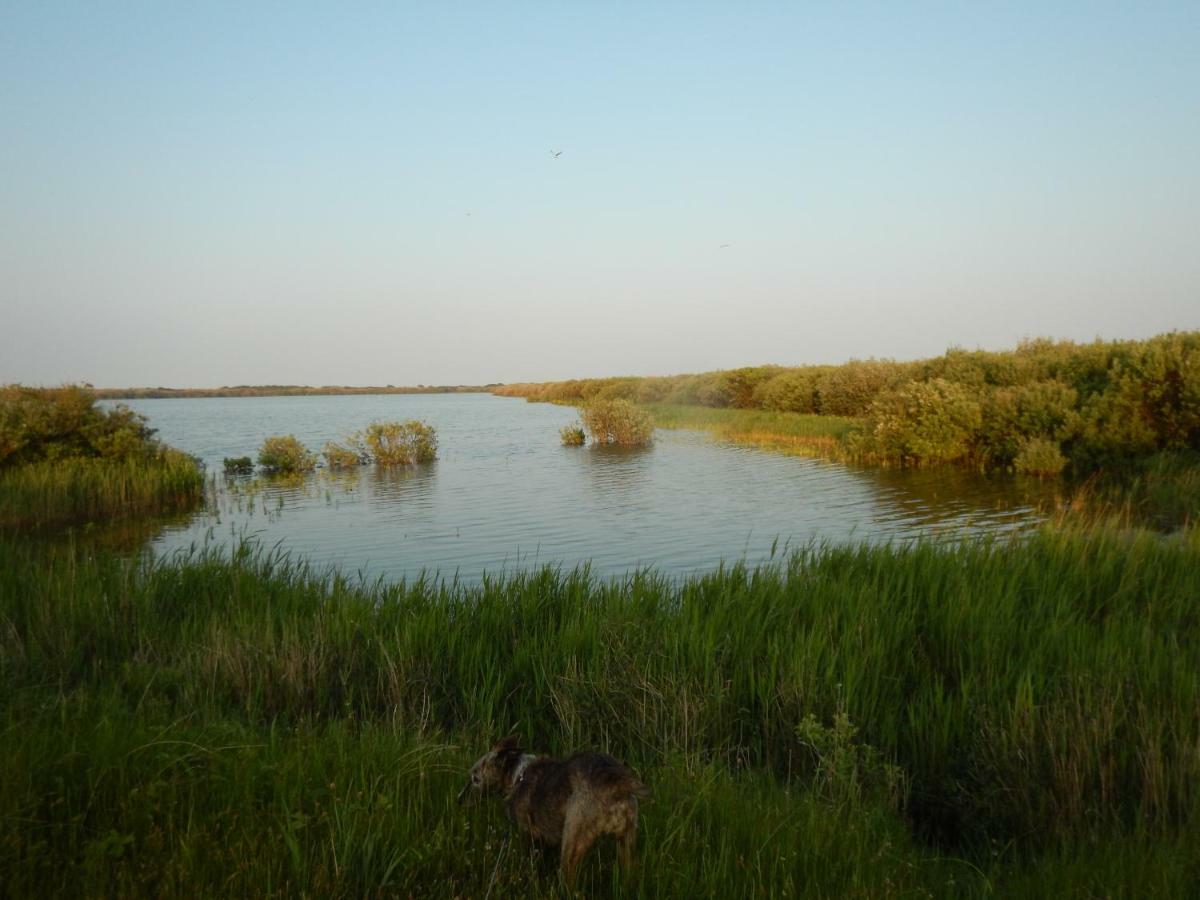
505, 494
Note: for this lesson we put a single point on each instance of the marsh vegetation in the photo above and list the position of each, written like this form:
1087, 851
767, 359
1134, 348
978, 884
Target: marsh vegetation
65, 460
1045, 407
998, 717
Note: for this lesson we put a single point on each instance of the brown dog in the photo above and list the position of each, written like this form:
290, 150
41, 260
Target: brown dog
566, 803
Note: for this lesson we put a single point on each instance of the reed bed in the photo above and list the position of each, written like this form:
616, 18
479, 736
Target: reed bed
90, 489
983, 718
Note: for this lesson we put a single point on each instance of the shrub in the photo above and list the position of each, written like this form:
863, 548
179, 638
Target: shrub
1012, 415
789, 391
923, 422
238, 465
738, 386
65, 423
1039, 456
850, 389
401, 443
284, 453
617, 422
344, 456
572, 435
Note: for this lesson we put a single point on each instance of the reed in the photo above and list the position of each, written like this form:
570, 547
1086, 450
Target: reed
857, 721
89, 489
617, 422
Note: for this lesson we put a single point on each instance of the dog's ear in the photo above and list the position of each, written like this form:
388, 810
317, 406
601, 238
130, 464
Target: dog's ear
512, 742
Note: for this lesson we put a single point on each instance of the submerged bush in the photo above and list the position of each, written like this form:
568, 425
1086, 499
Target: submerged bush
344, 456
401, 443
617, 422
238, 465
285, 453
572, 435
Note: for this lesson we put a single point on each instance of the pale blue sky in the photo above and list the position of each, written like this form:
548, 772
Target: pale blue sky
297, 193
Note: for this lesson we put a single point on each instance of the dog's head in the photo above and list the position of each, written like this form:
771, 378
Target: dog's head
490, 772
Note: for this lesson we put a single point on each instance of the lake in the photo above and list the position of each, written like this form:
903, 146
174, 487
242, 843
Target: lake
505, 495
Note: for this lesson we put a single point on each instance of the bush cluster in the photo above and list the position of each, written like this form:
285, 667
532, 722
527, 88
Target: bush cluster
1046, 406
384, 443
65, 423
285, 454
572, 435
617, 422
401, 443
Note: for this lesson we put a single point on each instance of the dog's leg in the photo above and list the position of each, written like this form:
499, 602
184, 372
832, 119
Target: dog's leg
627, 839
578, 837
625, 845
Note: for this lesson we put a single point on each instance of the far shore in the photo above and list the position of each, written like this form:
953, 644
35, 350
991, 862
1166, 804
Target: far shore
282, 390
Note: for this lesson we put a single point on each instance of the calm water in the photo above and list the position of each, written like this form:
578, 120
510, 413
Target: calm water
504, 494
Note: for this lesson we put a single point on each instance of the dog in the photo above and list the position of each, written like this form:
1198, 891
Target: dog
565, 803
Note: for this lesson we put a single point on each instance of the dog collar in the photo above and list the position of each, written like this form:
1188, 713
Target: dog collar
519, 771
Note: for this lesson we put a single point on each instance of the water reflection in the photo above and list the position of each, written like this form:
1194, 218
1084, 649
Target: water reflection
620, 475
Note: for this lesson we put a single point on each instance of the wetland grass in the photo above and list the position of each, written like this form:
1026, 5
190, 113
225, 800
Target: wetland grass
91, 489
971, 719
799, 433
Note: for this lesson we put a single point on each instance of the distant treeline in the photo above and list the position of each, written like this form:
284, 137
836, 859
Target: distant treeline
283, 390
1043, 407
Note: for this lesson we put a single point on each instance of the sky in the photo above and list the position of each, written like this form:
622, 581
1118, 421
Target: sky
290, 193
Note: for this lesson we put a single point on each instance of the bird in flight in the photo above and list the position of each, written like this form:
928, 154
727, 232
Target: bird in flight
723, 246
556, 153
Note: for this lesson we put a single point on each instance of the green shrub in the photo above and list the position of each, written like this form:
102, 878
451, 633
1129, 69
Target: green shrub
285, 454
849, 390
401, 443
238, 465
617, 422
572, 435
1039, 456
344, 456
65, 423
793, 390
923, 422
1012, 415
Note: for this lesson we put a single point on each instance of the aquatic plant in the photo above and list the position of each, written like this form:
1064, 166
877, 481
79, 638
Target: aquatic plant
572, 435
345, 455
78, 490
617, 422
401, 443
285, 454
238, 465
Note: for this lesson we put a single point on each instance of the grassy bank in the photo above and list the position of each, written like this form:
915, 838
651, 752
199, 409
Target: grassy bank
1027, 715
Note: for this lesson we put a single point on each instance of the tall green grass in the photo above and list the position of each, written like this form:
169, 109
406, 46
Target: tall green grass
94, 489
250, 725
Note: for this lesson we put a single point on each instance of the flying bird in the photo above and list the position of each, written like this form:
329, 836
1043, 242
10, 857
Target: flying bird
723, 246
556, 153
